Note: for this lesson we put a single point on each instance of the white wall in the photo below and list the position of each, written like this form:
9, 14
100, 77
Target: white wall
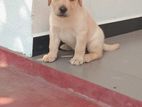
104, 11
40, 15
15, 25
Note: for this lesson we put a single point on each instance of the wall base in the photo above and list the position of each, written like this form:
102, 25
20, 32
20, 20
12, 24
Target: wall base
41, 43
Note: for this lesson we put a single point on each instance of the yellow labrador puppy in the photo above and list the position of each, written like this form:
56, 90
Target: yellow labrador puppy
71, 23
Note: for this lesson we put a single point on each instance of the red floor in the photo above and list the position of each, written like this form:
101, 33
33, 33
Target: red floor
22, 90
24, 83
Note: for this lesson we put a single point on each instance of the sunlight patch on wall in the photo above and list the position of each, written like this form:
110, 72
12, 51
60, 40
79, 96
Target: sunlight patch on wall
29, 4
18, 45
23, 13
3, 16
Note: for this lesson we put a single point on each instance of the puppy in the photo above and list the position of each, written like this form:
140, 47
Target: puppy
72, 24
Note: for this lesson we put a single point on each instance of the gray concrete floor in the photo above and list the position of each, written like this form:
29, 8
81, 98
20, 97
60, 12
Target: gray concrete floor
119, 70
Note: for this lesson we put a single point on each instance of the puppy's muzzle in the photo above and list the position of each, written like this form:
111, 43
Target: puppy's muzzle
63, 11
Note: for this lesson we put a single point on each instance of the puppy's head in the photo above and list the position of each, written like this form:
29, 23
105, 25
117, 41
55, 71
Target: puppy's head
64, 8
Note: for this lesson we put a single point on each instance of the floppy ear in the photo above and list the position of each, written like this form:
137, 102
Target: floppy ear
80, 2
49, 2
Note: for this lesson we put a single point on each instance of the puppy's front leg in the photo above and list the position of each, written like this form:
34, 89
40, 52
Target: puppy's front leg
53, 48
80, 48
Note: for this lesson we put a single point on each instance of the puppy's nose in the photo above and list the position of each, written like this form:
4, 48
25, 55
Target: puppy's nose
63, 9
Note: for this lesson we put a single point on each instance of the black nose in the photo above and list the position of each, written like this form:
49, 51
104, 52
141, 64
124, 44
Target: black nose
63, 9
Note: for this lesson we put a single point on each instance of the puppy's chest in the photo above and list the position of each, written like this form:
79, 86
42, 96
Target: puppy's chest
67, 35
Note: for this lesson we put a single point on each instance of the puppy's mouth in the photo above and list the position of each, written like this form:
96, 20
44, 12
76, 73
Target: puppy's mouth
62, 15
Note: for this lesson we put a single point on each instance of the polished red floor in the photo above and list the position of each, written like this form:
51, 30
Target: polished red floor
24, 83
21, 90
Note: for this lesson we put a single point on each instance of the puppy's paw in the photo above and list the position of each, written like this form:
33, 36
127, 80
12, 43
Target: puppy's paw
87, 58
76, 61
49, 58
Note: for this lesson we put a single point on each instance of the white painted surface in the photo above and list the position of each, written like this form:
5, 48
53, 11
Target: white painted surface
106, 11
40, 17
103, 11
15, 25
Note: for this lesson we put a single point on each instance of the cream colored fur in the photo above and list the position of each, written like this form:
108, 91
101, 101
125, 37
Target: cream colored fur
78, 30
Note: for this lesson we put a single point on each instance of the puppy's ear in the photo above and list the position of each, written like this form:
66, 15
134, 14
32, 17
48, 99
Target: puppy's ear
80, 2
49, 2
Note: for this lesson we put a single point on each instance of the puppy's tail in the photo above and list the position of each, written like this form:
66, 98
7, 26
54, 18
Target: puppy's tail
111, 47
